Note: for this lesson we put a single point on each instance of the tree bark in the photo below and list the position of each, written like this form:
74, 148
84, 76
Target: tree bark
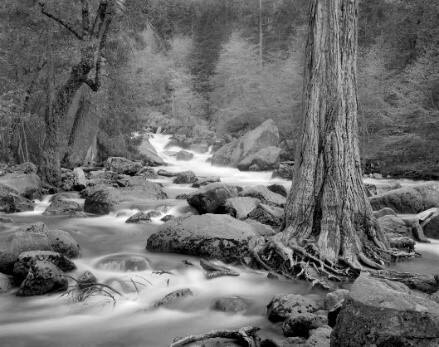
327, 206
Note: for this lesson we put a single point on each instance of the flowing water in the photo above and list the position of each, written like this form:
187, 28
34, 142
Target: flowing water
55, 320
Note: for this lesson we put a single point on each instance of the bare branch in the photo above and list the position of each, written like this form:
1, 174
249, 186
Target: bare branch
85, 17
59, 20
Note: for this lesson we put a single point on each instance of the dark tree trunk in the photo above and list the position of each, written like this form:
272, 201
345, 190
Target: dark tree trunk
93, 39
327, 206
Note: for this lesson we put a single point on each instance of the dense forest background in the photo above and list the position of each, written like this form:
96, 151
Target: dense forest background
186, 65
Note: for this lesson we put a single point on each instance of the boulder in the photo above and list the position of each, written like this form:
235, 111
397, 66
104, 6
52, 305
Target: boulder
212, 198
395, 225
102, 201
285, 170
240, 207
11, 203
335, 299
265, 195
63, 207
80, 181
412, 199
261, 229
149, 154
122, 165
62, 242
266, 214
264, 159
186, 177
212, 236
230, 304
29, 238
5, 283
27, 185
384, 313
147, 172
282, 307
124, 262
26, 259
139, 218
278, 189
431, 229
184, 155
264, 136
43, 277
300, 324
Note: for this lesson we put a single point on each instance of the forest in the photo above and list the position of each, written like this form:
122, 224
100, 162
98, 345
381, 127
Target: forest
257, 173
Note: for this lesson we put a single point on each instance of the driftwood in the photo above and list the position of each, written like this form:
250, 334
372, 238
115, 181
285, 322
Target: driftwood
246, 336
419, 221
424, 283
214, 271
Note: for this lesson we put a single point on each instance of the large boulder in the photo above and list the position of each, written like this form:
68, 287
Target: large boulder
63, 207
212, 236
62, 242
395, 225
149, 154
212, 198
26, 259
244, 149
27, 185
265, 195
11, 203
43, 277
240, 207
383, 313
102, 201
122, 165
412, 199
185, 177
30, 238
264, 159
34, 237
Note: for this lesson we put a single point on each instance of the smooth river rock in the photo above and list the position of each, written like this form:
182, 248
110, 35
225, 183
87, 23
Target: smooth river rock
383, 313
210, 235
212, 198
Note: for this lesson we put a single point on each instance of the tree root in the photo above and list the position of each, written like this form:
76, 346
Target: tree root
304, 262
246, 335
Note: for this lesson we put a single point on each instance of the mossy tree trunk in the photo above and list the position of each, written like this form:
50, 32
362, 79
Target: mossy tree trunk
92, 36
327, 207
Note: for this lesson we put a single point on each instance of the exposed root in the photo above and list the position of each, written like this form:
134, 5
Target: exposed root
424, 283
246, 336
305, 262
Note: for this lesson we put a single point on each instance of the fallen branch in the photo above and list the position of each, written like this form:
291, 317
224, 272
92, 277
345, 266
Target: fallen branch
214, 271
59, 20
246, 335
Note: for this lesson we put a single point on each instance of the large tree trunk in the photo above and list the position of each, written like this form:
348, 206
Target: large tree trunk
93, 37
327, 205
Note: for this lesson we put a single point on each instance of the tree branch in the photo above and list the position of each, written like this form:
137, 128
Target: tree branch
59, 20
85, 17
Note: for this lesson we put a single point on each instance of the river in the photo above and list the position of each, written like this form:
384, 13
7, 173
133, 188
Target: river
56, 320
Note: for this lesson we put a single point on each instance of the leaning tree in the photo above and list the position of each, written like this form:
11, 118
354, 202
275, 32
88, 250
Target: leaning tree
329, 227
92, 34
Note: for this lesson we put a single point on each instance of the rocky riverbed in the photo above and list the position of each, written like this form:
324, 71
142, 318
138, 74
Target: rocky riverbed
139, 253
